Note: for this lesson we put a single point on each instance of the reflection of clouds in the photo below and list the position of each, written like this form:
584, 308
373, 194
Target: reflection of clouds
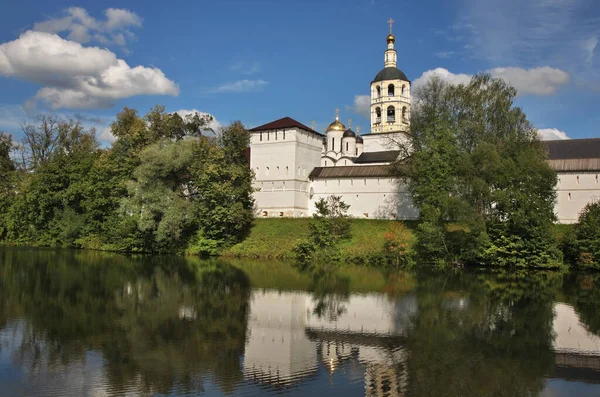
34, 368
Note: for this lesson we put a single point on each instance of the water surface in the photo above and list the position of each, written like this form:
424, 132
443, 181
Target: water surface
77, 323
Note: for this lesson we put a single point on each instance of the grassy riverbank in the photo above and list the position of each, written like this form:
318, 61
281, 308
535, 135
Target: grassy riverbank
275, 238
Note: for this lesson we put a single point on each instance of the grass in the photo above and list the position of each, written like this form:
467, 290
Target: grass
274, 238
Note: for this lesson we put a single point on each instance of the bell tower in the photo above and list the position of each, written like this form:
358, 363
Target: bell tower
390, 94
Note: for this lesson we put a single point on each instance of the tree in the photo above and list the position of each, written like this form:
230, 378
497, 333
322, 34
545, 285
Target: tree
329, 225
222, 187
7, 168
479, 176
583, 246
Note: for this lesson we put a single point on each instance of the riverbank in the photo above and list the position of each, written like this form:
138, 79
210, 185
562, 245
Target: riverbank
274, 238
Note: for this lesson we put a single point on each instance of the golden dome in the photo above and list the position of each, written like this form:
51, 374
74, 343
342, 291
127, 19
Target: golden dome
391, 38
336, 126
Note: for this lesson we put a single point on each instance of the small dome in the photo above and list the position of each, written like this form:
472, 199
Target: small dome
336, 126
359, 139
349, 134
390, 38
390, 73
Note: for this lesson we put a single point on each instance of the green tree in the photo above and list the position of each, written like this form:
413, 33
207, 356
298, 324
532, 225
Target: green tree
222, 188
479, 176
7, 168
583, 245
329, 225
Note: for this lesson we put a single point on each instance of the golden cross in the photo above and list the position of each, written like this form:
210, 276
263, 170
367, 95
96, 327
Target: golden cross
312, 125
391, 21
349, 122
337, 113
358, 129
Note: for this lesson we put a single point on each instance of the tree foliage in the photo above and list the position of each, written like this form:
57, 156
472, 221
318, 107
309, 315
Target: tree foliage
162, 184
582, 246
478, 175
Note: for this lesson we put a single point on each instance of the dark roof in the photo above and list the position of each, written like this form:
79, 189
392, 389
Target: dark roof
378, 157
573, 149
359, 139
350, 171
285, 122
390, 73
349, 133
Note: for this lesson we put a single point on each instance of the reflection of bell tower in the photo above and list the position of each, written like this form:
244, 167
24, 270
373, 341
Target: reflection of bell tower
390, 94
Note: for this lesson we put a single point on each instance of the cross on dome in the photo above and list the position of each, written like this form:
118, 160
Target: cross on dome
391, 21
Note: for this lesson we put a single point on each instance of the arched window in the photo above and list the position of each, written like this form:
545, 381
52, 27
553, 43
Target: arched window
391, 90
287, 170
277, 170
267, 171
284, 135
391, 114
333, 144
404, 116
347, 143
403, 90
378, 91
261, 136
377, 114
284, 186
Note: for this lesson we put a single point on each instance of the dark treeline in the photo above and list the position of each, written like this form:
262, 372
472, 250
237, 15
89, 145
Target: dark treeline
167, 184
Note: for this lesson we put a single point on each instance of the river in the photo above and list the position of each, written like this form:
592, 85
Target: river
81, 323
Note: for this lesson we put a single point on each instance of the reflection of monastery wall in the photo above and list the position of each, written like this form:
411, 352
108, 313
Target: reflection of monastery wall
370, 314
277, 346
571, 335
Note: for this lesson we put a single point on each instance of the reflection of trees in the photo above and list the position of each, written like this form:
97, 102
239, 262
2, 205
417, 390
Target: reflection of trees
582, 290
499, 345
161, 323
330, 291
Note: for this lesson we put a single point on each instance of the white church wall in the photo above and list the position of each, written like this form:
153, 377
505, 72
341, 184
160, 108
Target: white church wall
377, 198
575, 190
282, 160
383, 142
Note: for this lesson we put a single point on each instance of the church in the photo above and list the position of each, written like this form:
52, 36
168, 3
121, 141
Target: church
295, 165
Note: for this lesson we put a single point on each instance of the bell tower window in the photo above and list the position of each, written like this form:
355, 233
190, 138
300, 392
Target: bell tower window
378, 92
404, 118
391, 90
403, 90
377, 115
391, 114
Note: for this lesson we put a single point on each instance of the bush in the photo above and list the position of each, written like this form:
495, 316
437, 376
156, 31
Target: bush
582, 247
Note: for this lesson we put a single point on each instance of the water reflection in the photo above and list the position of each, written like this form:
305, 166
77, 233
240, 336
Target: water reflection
81, 323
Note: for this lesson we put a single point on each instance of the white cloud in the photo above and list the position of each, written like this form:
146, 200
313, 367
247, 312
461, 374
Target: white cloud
444, 54
589, 46
215, 124
75, 76
247, 68
559, 33
361, 105
241, 86
106, 135
549, 134
444, 75
83, 28
536, 81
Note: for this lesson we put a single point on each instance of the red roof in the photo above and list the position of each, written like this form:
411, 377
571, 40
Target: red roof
286, 122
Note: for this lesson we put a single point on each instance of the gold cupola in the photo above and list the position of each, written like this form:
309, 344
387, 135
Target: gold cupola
336, 125
391, 38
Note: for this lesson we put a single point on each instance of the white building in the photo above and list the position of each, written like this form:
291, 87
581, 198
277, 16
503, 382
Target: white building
296, 165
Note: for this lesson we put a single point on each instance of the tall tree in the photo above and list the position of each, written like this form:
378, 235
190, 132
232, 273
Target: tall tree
478, 175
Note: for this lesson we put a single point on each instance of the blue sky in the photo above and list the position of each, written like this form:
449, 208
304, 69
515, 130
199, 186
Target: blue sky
257, 61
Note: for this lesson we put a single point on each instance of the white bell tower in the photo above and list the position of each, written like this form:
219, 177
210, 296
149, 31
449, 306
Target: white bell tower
390, 94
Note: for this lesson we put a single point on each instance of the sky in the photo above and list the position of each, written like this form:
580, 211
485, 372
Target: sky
257, 61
